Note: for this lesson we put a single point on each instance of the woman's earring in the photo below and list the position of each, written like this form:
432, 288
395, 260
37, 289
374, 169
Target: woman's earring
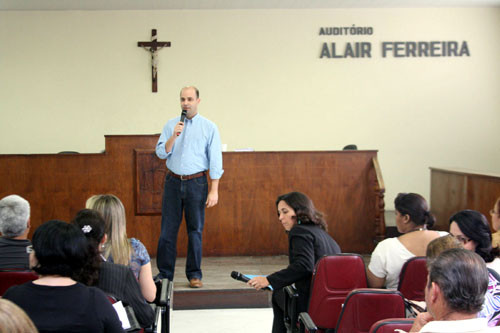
298, 221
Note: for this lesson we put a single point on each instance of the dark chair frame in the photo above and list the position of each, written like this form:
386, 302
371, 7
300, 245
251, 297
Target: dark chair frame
163, 308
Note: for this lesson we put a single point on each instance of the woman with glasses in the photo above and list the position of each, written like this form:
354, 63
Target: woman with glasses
495, 223
471, 228
413, 219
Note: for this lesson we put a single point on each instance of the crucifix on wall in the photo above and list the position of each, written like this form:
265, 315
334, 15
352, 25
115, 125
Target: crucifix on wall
153, 47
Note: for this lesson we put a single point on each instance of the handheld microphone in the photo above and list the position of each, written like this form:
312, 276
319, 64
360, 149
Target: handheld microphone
240, 277
183, 117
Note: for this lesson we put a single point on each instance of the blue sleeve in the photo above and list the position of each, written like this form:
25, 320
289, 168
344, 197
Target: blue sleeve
141, 251
215, 154
164, 136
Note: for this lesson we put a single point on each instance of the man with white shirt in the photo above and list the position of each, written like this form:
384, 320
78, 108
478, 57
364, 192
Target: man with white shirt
456, 285
191, 148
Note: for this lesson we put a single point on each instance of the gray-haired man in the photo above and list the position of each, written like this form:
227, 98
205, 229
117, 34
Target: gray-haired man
14, 226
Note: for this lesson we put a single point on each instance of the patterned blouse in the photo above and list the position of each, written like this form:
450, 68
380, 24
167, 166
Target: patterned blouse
140, 256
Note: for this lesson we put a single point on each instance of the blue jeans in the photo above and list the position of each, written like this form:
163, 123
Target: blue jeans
189, 196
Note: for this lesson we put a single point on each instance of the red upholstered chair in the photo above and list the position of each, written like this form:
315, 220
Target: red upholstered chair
389, 325
333, 279
361, 309
413, 279
14, 278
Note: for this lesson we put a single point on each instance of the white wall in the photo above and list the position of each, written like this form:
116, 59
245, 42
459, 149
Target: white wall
69, 78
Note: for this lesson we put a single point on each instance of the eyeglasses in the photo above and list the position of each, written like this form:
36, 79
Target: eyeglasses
462, 239
492, 212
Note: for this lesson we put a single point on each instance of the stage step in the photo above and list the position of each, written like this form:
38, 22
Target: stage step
220, 299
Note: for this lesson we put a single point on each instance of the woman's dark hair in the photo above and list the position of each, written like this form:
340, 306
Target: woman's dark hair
416, 207
304, 209
475, 226
60, 248
92, 225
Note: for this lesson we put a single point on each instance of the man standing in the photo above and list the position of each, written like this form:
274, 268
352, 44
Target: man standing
14, 226
191, 148
454, 294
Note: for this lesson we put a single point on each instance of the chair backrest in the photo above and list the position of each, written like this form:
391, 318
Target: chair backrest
413, 279
389, 325
363, 307
14, 278
334, 278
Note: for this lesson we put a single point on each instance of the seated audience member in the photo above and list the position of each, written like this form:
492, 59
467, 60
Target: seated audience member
13, 319
14, 226
491, 306
413, 218
122, 250
114, 279
454, 294
308, 241
495, 223
55, 302
440, 244
472, 229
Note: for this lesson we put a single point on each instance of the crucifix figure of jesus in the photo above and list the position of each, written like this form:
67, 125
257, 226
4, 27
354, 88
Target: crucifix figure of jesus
153, 47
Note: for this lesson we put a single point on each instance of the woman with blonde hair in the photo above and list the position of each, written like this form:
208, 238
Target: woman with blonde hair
13, 319
120, 249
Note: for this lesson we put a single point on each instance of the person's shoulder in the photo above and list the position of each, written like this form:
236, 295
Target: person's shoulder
387, 243
14, 290
16, 242
136, 243
304, 229
206, 121
172, 121
107, 266
98, 293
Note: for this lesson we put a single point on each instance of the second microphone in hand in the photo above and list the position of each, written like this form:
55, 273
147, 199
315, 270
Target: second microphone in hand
240, 277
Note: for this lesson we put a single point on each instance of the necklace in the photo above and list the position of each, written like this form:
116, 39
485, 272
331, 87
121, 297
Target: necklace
416, 229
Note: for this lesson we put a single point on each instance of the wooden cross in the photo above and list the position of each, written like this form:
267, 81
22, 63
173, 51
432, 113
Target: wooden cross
153, 47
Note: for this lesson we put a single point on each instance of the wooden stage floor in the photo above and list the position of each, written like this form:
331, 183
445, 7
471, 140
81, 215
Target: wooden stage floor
220, 291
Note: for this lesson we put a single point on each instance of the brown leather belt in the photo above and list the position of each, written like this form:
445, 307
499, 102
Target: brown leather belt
188, 177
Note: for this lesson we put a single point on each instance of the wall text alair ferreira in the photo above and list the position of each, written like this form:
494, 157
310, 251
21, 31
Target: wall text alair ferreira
395, 49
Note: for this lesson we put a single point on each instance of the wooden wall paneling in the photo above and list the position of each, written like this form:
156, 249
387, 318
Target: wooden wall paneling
342, 184
453, 190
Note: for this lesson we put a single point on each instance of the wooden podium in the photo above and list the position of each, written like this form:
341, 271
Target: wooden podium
345, 185
453, 190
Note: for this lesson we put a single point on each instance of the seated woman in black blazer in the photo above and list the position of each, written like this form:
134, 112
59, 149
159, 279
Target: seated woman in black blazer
308, 241
114, 279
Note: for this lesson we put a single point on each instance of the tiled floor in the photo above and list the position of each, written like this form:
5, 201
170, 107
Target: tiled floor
222, 321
